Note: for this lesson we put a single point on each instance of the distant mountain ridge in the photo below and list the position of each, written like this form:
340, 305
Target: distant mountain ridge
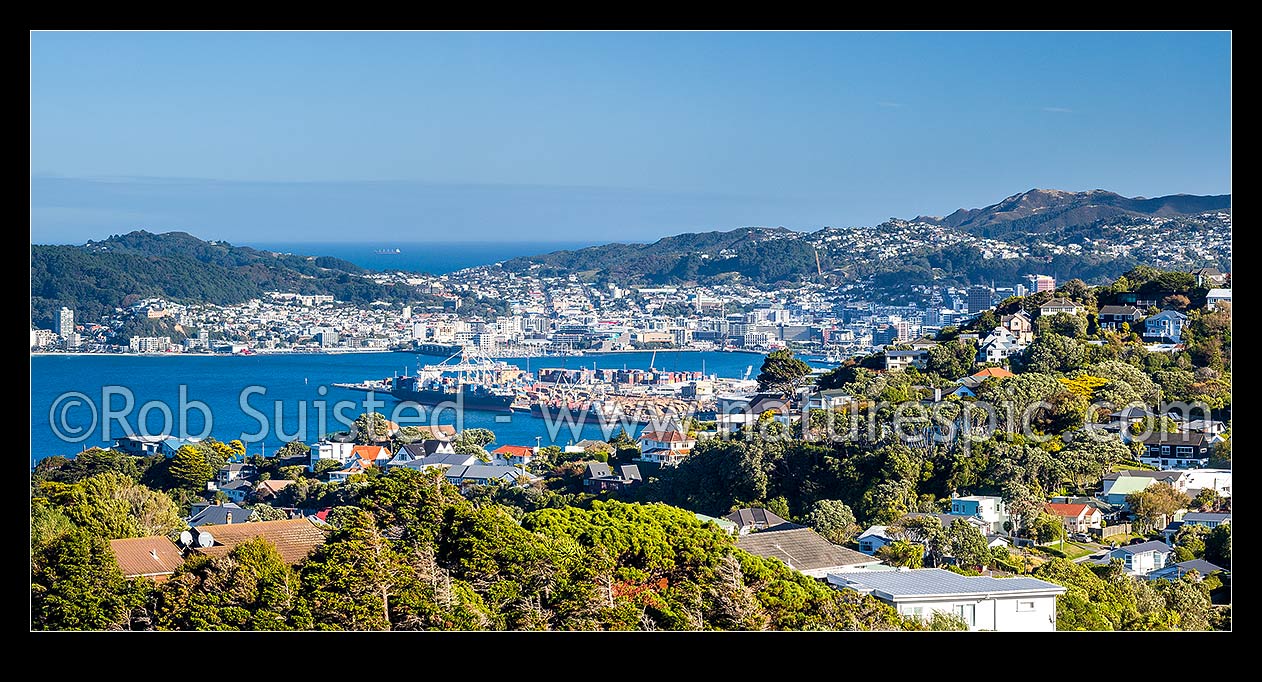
1046, 210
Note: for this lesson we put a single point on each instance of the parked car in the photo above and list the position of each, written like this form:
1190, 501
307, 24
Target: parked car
1082, 537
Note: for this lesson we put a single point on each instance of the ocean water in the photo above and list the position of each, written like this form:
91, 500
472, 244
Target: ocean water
73, 395
435, 258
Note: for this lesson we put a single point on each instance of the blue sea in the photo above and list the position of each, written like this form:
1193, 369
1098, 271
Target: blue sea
72, 395
435, 258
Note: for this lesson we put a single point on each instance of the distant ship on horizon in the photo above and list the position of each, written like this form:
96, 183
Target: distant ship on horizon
388, 252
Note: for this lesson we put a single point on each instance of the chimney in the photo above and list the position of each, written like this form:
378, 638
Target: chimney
228, 518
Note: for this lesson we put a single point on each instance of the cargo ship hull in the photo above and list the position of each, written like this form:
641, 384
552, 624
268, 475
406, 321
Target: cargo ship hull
470, 400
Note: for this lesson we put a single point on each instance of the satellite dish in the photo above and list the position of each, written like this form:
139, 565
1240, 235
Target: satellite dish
204, 539
186, 538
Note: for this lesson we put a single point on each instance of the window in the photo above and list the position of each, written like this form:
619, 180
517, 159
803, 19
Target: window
968, 612
1025, 606
916, 611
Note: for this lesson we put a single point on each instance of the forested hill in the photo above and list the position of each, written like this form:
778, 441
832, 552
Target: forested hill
97, 277
762, 253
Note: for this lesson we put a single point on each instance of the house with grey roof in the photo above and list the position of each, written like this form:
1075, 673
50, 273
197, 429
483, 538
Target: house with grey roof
753, 518
1176, 571
484, 474
218, 514
1166, 326
1143, 558
804, 550
600, 476
1207, 519
984, 603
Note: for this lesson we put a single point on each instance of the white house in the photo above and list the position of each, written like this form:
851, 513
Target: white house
984, 603
873, 539
342, 452
1216, 296
999, 345
1060, 305
988, 508
1076, 518
1166, 325
902, 359
1206, 519
1196, 480
1143, 558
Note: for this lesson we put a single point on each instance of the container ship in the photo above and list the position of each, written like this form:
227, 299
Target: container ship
476, 382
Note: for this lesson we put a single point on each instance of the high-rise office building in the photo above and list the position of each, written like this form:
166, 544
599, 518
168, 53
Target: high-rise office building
979, 299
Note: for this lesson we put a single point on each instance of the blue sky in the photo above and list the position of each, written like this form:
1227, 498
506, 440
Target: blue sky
605, 136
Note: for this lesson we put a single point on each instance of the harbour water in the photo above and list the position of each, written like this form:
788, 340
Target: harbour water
435, 258
62, 386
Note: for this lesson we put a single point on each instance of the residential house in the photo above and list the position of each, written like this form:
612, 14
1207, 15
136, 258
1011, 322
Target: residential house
805, 551
235, 470
1176, 571
972, 382
293, 539
411, 452
1216, 296
513, 455
723, 524
831, 399
600, 476
204, 514
1061, 305
1143, 558
988, 508
984, 603
238, 490
357, 466
1114, 316
484, 474
1076, 518
1206, 519
1209, 277
752, 518
1209, 427
155, 558
144, 446
902, 359
269, 489
1166, 326
1019, 325
582, 446
873, 539
998, 346
440, 461
665, 447
1176, 450
1116, 486
375, 455
342, 452
1194, 481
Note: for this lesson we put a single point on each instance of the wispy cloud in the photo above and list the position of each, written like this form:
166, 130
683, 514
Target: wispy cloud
1058, 110
889, 104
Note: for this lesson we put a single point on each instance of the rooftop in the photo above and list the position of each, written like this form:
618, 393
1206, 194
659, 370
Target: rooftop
936, 582
293, 538
151, 556
801, 548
